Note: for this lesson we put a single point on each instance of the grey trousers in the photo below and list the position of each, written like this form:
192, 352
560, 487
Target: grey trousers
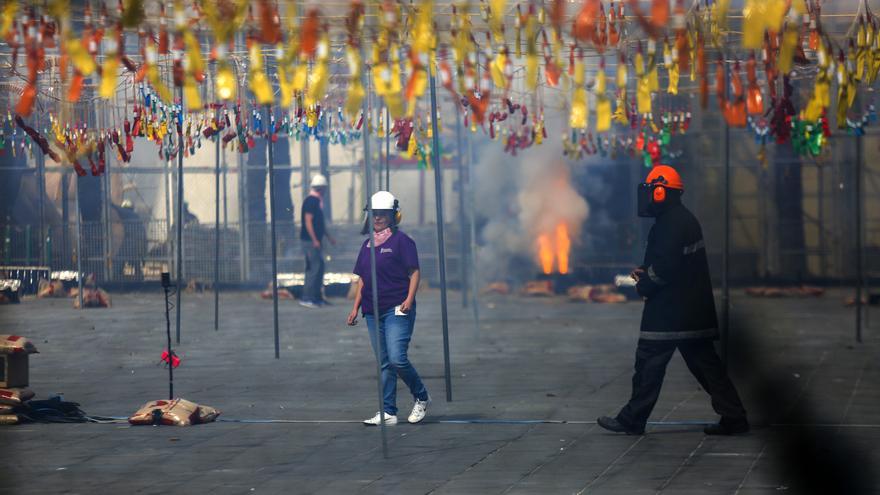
314, 273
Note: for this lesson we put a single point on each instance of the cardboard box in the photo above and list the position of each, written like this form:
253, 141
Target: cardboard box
13, 370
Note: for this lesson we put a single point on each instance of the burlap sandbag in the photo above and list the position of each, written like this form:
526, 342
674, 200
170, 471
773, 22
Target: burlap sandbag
92, 298
15, 396
51, 288
207, 414
8, 419
14, 344
178, 412
4, 410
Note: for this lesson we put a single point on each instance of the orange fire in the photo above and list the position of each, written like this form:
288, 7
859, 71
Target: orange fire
545, 254
555, 249
563, 246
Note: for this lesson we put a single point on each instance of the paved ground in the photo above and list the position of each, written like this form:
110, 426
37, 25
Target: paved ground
530, 359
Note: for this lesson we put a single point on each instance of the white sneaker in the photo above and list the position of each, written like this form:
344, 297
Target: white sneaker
419, 410
390, 420
308, 304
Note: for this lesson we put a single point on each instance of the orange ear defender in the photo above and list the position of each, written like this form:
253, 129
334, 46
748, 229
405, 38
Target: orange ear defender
659, 194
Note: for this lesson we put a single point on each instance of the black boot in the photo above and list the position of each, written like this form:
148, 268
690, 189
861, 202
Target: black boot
728, 427
612, 424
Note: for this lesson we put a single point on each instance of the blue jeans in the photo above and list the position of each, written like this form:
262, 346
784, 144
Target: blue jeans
395, 333
314, 273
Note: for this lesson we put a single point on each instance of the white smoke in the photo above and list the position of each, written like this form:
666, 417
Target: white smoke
519, 198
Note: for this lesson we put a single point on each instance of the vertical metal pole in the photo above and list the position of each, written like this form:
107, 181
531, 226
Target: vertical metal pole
378, 343
271, 159
79, 273
216, 285
421, 196
244, 230
725, 257
108, 241
859, 278
324, 166
306, 166
462, 222
179, 123
168, 333
65, 219
387, 149
441, 248
41, 179
225, 188
472, 224
167, 182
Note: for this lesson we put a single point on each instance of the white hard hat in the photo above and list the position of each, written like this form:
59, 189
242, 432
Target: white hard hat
383, 200
319, 180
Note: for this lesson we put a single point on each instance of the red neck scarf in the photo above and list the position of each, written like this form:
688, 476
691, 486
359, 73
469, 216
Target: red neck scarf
382, 236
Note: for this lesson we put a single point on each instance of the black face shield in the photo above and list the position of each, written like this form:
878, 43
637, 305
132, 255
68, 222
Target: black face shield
645, 199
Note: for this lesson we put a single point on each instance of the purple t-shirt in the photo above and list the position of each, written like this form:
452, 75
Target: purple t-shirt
394, 260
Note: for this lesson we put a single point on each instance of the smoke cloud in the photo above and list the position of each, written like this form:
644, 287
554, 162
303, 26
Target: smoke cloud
518, 198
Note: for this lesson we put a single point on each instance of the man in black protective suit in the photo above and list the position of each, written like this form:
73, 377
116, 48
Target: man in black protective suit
679, 312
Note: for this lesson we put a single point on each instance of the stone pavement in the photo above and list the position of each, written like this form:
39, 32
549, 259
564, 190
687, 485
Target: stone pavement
529, 359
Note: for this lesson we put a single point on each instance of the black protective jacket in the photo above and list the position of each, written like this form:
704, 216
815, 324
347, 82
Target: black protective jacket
679, 302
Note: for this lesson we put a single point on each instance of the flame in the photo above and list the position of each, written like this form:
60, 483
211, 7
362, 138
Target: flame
545, 254
554, 247
563, 246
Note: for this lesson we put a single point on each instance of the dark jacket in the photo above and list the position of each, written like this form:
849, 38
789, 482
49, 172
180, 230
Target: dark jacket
679, 301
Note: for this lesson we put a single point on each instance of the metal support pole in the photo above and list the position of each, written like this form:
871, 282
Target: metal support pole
41, 179
79, 273
108, 198
306, 166
271, 159
387, 149
165, 288
324, 166
168, 182
462, 222
179, 123
472, 224
378, 343
859, 277
725, 257
441, 248
216, 284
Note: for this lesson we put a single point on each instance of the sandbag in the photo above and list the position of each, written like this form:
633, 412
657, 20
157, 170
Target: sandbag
14, 344
15, 396
5, 410
51, 288
207, 414
177, 412
8, 419
92, 298
538, 288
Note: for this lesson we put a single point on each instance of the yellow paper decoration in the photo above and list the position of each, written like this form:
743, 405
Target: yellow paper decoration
108, 78
226, 86
79, 56
191, 94
579, 109
643, 95
496, 19
603, 114
9, 11
786, 50
754, 23
259, 82
499, 65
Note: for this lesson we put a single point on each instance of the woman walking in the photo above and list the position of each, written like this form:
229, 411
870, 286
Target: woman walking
391, 324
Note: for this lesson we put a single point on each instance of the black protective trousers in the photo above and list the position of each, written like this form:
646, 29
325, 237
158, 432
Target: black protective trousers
652, 356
